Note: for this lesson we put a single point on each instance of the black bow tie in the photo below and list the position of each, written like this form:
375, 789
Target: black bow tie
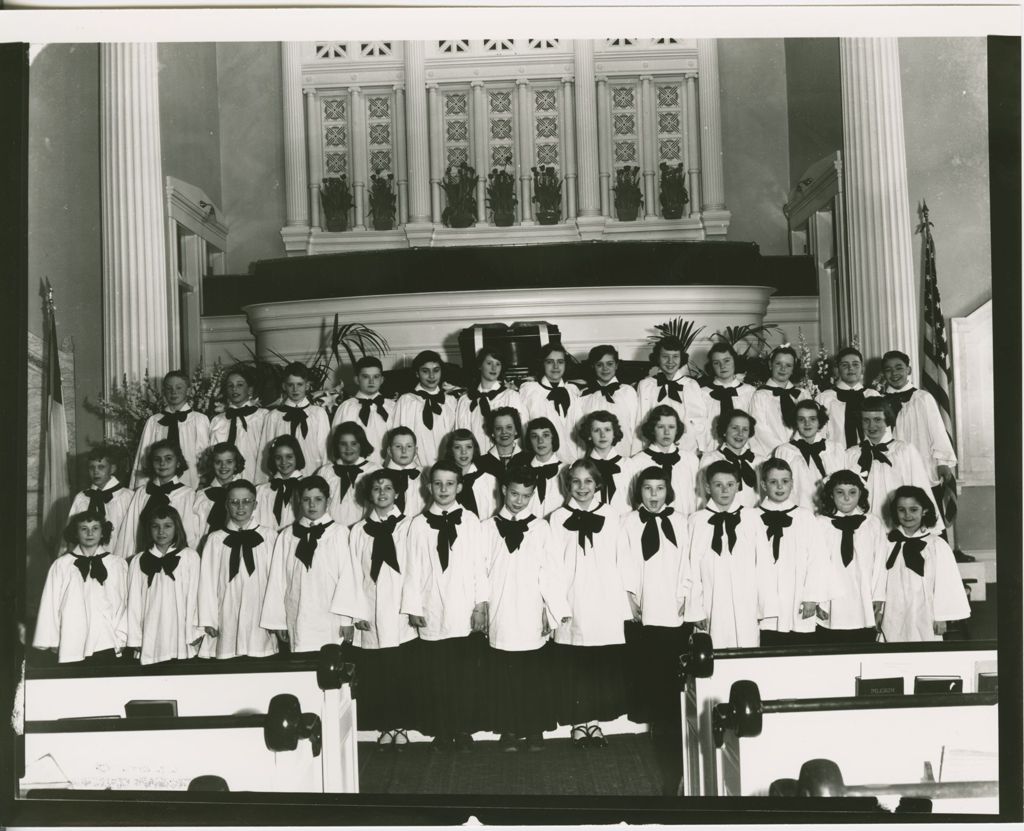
608, 469
242, 544
91, 566
512, 531
467, 497
741, 464
218, 515
308, 537
775, 523
347, 475
559, 396
912, 549
481, 399
171, 422
285, 490
410, 474
160, 495
787, 400
898, 399
663, 460
236, 415
585, 524
668, 387
608, 391
445, 524
383, 551
432, 406
724, 397
870, 453
650, 540
366, 404
544, 473
848, 525
729, 521
853, 399
98, 500
150, 564
811, 450
297, 419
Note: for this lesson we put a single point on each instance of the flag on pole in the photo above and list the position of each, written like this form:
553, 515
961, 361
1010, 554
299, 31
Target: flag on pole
55, 485
935, 348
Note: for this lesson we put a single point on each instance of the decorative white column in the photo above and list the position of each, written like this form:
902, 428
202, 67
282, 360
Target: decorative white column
402, 167
604, 151
569, 143
648, 154
296, 231
357, 126
525, 119
716, 217
693, 144
418, 229
882, 279
480, 149
434, 127
315, 157
137, 292
590, 221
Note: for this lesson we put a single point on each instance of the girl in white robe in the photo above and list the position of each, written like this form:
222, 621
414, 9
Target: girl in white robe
83, 608
607, 393
241, 423
479, 488
233, 580
400, 456
368, 407
473, 410
723, 391
541, 456
163, 593
275, 498
344, 476
209, 511
923, 588
736, 447
810, 455
428, 410
551, 397
774, 403
672, 385
602, 433
662, 431
297, 417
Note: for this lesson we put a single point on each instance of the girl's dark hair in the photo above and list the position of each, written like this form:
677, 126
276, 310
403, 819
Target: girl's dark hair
895, 353
589, 466
398, 481
542, 423
721, 346
165, 444
598, 352
593, 417
843, 477
929, 516
517, 420
225, 447
878, 404
161, 511
786, 350
659, 412
722, 424
545, 352
350, 428
71, 529
293, 444
459, 434
809, 404
489, 352
672, 344
653, 473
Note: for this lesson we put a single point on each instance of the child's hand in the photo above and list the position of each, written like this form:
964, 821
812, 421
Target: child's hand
939, 627
879, 608
808, 609
197, 641
347, 633
566, 619
363, 625
634, 608
135, 653
282, 635
211, 631
701, 625
545, 627
821, 613
417, 620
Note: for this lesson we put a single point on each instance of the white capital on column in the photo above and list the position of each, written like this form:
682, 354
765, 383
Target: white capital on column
295, 173
586, 133
882, 281
136, 292
417, 146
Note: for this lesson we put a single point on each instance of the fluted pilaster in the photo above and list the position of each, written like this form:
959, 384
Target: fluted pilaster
713, 184
417, 146
360, 174
692, 144
604, 152
295, 172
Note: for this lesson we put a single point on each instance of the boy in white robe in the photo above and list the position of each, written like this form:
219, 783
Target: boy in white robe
810, 455
275, 498
83, 608
105, 495
923, 589
400, 450
163, 593
673, 385
773, 405
178, 423
662, 430
428, 410
607, 393
736, 447
233, 580
368, 407
602, 433
297, 417
551, 397
473, 410
723, 391
209, 511
344, 475
445, 596
241, 423
311, 556
541, 456
843, 401
479, 488
733, 586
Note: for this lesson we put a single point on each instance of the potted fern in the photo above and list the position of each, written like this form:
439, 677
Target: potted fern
459, 185
382, 200
628, 197
336, 199
673, 195
547, 193
501, 195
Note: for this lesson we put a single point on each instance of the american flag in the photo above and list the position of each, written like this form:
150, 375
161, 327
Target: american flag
935, 366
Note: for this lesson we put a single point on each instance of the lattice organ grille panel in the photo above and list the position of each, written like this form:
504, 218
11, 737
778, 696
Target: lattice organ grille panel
455, 109
625, 136
335, 135
546, 127
670, 121
380, 127
500, 128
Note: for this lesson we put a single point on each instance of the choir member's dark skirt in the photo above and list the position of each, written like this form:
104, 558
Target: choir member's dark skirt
386, 686
653, 662
448, 685
523, 690
824, 635
591, 682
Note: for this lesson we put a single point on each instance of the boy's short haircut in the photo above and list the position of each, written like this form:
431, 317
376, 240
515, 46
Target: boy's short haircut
165, 444
242, 372
519, 475
314, 482
723, 423
604, 416
101, 452
447, 466
71, 529
367, 362
878, 404
350, 428
227, 447
543, 423
598, 352
517, 420
669, 343
774, 464
847, 351
843, 477
293, 444
895, 353
657, 413
720, 467
425, 357
395, 432
177, 373
298, 369
653, 473
589, 466
929, 516
548, 348
241, 484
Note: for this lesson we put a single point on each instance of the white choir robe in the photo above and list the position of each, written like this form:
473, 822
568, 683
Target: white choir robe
907, 468
554, 490
445, 598
416, 493
409, 413
376, 428
379, 604
248, 438
115, 510
299, 599
163, 618
803, 570
621, 500
201, 507
771, 430
860, 583
624, 406
181, 500
684, 475
524, 585
919, 423
692, 409
741, 401
485, 491
193, 436
313, 444
535, 400
594, 585
807, 479
233, 606
661, 584
835, 430
733, 590
81, 617
346, 510
470, 418
913, 604
746, 496
265, 497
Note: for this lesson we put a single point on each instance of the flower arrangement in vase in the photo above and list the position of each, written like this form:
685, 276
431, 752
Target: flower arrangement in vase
382, 200
336, 200
501, 195
673, 196
628, 197
459, 186
547, 193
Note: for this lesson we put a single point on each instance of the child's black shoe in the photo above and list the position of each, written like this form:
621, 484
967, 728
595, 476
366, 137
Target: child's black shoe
535, 742
508, 742
463, 742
